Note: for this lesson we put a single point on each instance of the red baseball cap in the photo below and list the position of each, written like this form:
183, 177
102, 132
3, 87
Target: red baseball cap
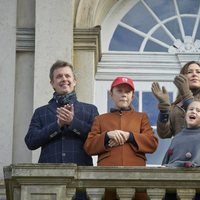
122, 80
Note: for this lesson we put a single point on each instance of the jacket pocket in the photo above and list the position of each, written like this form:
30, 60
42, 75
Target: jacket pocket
141, 155
103, 156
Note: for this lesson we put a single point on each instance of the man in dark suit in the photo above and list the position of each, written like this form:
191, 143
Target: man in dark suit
61, 127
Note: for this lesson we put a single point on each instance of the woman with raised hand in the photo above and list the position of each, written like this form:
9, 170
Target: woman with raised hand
171, 117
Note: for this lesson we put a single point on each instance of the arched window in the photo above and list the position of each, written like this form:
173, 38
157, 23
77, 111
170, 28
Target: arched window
159, 26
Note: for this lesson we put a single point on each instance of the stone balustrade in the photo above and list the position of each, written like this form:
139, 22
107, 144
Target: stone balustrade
60, 181
2, 190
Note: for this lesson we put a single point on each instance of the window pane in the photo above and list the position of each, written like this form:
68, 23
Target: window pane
198, 33
188, 6
152, 46
160, 34
149, 105
188, 24
157, 157
173, 27
162, 8
125, 40
142, 22
135, 102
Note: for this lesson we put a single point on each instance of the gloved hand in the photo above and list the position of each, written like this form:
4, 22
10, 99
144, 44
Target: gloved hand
182, 84
161, 95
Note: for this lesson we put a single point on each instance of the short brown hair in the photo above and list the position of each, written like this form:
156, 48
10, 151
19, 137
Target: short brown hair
59, 64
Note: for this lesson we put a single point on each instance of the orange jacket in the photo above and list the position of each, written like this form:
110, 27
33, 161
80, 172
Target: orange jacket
126, 154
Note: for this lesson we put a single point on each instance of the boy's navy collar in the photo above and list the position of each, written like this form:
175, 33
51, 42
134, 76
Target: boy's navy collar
120, 109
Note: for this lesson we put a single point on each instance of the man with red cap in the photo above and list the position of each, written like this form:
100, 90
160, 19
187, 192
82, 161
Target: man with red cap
123, 136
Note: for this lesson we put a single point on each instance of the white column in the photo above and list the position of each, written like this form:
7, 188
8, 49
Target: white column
7, 78
53, 41
23, 108
86, 57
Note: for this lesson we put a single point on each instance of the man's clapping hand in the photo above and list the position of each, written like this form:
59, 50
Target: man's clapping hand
65, 115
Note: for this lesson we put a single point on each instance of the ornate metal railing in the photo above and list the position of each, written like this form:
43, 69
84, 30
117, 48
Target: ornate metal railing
61, 181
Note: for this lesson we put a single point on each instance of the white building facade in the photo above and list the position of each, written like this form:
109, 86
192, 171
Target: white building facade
143, 39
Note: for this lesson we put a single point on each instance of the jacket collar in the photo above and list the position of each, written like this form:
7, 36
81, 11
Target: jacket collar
120, 110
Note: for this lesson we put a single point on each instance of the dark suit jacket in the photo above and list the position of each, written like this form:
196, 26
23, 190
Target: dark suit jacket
61, 146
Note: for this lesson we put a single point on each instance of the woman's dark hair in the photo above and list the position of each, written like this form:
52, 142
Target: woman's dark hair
184, 69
